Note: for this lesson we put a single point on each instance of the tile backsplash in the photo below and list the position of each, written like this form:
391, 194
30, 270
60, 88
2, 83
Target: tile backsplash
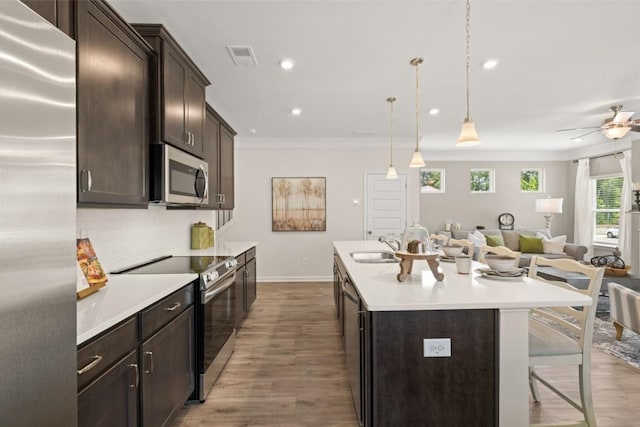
122, 237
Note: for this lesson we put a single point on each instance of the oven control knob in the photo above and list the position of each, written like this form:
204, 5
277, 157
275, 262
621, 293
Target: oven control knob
210, 277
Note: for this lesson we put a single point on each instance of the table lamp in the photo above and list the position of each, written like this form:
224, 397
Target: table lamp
548, 207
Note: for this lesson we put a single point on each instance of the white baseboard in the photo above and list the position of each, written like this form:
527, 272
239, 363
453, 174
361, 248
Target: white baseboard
295, 279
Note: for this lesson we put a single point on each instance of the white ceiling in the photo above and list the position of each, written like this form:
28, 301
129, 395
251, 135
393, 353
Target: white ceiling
562, 64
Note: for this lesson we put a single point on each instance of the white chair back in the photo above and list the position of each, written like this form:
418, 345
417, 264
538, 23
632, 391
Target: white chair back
438, 239
463, 242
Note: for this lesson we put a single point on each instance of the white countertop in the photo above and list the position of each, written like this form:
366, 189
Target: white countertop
381, 291
221, 249
122, 296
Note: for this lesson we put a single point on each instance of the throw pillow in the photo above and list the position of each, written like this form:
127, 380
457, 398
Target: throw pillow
495, 240
555, 245
531, 244
477, 238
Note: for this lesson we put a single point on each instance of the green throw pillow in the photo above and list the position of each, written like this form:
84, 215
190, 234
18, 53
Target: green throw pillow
531, 244
495, 240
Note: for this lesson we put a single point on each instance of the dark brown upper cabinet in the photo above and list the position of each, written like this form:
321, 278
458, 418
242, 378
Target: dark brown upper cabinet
178, 105
113, 109
58, 12
219, 154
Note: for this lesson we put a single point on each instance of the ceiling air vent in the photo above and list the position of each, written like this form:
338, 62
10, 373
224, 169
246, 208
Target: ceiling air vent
242, 55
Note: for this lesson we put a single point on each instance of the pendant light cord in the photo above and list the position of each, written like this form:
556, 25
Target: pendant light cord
391, 100
468, 30
416, 62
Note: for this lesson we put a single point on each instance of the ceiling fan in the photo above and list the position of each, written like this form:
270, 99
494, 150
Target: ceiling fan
614, 127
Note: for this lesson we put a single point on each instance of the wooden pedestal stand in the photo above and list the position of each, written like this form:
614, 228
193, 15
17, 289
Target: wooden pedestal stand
406, 264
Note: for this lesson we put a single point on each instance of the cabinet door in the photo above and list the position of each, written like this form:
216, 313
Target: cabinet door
167, 364
112, 399
195, 103
113, 110
240, 297
226, 168
58, 12
174, 129
250, 288
212, 137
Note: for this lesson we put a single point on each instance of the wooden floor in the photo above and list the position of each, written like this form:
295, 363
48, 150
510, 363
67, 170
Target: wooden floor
288, 370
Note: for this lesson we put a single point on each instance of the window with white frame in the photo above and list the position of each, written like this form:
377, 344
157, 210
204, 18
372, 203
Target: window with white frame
607, 196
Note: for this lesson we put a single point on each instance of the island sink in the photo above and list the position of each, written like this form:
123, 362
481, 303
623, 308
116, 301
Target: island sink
374, 257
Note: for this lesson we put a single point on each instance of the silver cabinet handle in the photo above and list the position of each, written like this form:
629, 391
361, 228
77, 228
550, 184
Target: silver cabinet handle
85, 183
96, 359
173, 307
149, 355
89, 180
136, 383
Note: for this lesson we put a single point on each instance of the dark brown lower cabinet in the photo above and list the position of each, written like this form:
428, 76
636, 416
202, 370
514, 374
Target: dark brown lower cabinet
401, 387
246, 286
112, 399
167, 365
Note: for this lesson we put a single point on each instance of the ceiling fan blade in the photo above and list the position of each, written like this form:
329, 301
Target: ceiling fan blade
622, 116
575, 138
588, 127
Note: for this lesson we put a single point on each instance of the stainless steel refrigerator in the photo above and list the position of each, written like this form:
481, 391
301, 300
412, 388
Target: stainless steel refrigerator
37, 221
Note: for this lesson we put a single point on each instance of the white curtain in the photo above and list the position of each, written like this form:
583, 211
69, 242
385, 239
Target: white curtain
624, 232
583, 224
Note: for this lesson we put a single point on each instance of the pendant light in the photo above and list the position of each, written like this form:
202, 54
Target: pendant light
391, 173
417, 161
468, 135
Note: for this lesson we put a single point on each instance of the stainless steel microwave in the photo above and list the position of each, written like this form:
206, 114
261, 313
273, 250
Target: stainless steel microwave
178, 178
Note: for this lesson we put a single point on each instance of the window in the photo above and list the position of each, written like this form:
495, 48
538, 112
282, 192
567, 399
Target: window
607, 193
481, 181
532, 180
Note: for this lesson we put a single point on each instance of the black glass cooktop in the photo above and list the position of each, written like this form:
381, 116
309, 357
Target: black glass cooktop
177, 265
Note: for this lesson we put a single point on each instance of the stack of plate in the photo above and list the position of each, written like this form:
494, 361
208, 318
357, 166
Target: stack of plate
514, 274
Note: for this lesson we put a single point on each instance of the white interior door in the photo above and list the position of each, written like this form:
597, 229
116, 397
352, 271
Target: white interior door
386, 205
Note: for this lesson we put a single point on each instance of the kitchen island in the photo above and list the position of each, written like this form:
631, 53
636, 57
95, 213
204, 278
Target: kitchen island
484, 380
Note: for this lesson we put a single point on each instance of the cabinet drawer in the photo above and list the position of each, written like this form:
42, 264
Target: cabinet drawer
241, 260
159, 314
98, 356
250, 254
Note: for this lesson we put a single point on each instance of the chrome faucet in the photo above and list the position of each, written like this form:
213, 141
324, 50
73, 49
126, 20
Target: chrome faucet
392, 243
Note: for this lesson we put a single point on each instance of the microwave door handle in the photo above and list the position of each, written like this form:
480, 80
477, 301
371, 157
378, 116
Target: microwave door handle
206, 183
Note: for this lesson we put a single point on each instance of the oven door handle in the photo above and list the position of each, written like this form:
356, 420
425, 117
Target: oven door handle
208, 296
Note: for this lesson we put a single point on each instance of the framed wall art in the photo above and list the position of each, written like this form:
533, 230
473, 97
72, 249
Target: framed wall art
298, 204
532, 180
482, 180
431, 180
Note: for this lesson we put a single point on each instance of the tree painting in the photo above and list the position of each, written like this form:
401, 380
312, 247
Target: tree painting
298, 204
481, 180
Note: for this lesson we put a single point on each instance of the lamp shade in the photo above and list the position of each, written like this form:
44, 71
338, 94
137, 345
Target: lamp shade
468, 135
616, 132
391, 173
549, 206
417, 161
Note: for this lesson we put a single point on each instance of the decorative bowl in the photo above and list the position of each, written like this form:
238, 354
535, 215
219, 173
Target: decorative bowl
500, 263
452, 251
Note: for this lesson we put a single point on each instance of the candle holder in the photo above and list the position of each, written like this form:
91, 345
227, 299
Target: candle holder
636, 193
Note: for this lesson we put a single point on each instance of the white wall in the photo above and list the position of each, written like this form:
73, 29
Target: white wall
122, 237
471, 209
280, 254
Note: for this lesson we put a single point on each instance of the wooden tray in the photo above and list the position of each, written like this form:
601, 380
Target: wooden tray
618, 272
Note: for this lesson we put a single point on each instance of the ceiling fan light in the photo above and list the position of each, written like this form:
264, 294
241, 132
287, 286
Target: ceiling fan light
391, 173
616, 132
417, 161
468, 135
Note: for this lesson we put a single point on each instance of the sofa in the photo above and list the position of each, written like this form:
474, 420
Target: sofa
511, 239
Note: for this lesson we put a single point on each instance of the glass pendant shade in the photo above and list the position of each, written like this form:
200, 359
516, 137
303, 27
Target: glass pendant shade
391, 173
468, 135
417, 161
616, 132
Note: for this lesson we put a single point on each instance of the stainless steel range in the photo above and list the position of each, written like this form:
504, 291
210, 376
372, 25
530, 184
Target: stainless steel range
215, 310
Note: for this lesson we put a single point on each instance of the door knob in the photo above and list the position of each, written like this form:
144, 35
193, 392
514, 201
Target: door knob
369, 232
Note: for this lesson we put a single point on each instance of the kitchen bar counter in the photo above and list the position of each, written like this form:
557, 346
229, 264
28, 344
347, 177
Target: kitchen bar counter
222, 249
123, 296
380, 291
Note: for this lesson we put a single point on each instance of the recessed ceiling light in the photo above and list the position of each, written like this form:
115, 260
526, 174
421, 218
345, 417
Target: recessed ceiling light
576, 139
434, 111
490, 64
296, 111
287, 64
252, 131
